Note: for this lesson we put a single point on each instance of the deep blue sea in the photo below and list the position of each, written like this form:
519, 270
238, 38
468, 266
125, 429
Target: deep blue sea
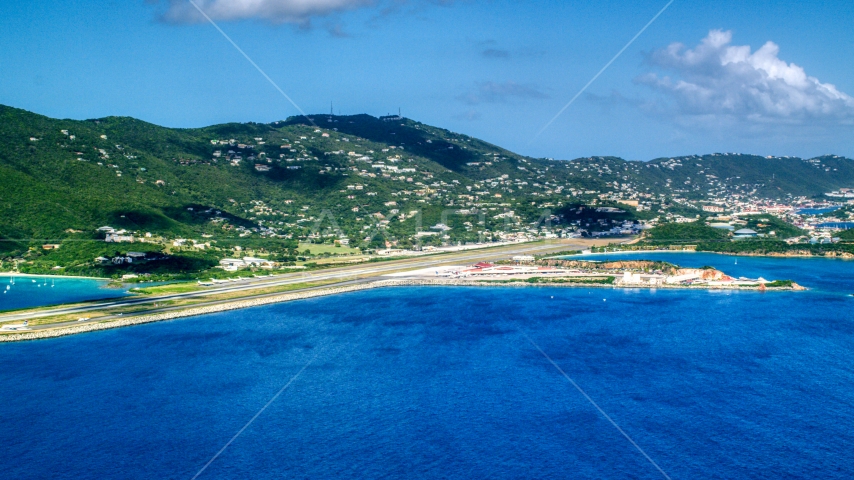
441, 383
842, 225
818, 211
26, 292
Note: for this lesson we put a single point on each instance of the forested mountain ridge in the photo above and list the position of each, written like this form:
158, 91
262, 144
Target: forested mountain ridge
59, 178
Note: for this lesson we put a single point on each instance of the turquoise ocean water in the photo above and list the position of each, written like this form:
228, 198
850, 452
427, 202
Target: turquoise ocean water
25, 292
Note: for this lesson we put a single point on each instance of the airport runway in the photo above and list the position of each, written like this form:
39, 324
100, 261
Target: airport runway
348, 274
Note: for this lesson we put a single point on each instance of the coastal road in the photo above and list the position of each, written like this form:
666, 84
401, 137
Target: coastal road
337, 273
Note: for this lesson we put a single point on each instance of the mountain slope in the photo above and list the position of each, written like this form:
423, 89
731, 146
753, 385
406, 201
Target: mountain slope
341, 176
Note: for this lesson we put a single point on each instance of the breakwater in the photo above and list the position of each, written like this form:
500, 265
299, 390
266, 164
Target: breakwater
61, 331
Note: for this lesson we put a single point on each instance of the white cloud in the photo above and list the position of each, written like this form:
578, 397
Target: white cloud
492, 92
276, 11
718, 81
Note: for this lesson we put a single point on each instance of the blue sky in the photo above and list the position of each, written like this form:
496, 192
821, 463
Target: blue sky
497, 70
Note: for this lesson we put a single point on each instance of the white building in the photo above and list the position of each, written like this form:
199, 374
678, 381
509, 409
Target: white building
118, 238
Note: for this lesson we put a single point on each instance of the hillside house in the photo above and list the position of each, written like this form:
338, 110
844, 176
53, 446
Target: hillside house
118, 238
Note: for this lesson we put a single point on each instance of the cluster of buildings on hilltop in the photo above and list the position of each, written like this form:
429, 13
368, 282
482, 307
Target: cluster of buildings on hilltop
847, 193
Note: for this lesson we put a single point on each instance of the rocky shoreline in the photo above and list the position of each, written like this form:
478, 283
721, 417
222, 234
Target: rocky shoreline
187, 312
241, 304
798, 254
791, 253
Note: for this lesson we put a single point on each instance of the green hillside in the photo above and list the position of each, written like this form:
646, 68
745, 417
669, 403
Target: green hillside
772, 226
267, 179
693, 232
359, 179
775, 177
